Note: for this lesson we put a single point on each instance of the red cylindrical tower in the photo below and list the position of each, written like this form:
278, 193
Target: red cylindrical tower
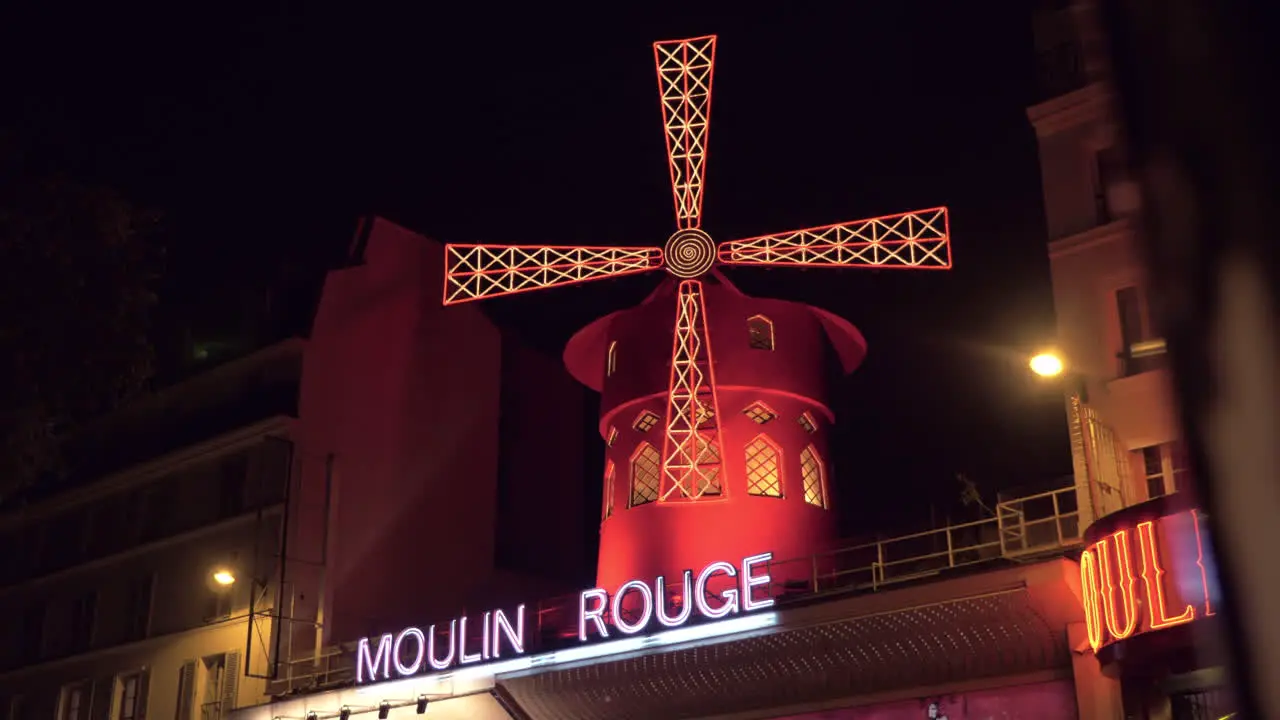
772, 362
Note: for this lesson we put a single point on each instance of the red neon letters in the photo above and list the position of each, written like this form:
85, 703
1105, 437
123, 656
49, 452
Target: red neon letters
1112, 596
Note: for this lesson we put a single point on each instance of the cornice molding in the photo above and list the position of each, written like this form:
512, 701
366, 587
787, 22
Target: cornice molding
149, 470
1078, 107
1121, 229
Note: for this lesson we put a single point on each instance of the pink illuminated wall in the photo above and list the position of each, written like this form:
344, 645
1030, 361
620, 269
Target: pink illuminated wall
416, 404
793, 379
1040, 701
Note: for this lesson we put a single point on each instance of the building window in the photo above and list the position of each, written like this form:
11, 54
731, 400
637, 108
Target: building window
222, 674
84, 614
73, 702
1115, 192
153, 512
1165, 469
814, 477
609, 474
64, 540
138, 612
1136, 333
186, 691
611, 364
807, 422
645, 421
612, 437
646, 473
708, 472
759, 413
232, 472
1209, 703
704, 413
764, 468
760, 332
132, 691
33, 619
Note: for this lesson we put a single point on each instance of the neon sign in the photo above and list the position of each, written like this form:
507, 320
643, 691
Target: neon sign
593, 603
1147, 577
425, 651
631, 609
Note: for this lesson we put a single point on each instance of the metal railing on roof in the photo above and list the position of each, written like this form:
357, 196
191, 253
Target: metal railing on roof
1025, 528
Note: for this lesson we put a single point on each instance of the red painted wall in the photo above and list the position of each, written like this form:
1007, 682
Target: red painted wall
541, 480
664, 538
405, 395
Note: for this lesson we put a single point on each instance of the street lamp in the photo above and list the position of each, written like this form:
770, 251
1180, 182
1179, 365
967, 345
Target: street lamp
224, 577
1047, 364
1096, 465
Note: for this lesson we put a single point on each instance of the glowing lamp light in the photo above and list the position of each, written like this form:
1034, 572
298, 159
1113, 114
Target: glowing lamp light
1047, 365
224, 577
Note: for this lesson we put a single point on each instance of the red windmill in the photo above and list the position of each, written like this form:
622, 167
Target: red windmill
693, 502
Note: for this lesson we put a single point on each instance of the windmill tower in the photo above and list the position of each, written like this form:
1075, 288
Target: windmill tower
714, 404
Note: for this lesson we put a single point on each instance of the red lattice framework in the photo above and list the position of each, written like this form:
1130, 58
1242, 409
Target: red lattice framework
691, 458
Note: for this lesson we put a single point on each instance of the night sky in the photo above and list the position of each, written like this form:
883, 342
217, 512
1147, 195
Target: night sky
262, 137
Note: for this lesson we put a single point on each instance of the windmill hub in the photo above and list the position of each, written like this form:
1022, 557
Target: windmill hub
689, 254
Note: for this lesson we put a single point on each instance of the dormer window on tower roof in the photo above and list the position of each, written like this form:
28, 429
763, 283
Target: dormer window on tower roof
645, 421
759, 413
760, 332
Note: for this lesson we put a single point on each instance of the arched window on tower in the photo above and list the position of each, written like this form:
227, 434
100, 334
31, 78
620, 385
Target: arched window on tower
760, 332
609, 475
646, 472
814, 477
764, 468
611, 363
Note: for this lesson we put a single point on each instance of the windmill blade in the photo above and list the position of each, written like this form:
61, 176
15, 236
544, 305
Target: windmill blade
691, 466
475, 272
684, 84
918, 239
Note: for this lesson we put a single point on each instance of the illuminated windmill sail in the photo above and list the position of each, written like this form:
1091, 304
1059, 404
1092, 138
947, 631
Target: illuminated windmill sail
691, 463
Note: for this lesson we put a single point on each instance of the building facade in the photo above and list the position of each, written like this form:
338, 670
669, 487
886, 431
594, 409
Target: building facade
960, 622
256, 513
134, 593
1147, 572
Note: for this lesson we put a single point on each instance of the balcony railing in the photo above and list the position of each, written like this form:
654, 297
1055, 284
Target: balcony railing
1039, 525
211, 711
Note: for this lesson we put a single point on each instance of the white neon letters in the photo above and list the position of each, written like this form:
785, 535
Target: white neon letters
686, 607
439, 647
729, 595
634, 604
596, 614
367, 665
750, 580
438, 663
502, 626
720, 590
396, 656
646, 608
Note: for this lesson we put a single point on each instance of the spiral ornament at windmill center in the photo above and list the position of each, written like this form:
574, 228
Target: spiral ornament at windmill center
689, 254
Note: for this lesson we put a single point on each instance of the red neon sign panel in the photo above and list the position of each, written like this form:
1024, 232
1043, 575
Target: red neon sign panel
1143, 578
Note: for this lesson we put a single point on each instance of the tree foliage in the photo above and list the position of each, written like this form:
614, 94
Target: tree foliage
77, 267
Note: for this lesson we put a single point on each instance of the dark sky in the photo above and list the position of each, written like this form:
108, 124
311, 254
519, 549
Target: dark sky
263, 136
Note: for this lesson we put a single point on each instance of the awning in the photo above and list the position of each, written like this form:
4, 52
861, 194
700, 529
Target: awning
837, 649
